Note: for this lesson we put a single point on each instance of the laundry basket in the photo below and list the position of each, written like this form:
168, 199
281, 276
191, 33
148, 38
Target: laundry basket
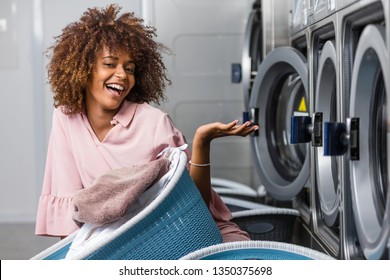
237, 204
256, 250
234, 189
176, 223
272, 223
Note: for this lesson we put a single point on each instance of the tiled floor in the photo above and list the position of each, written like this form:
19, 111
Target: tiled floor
18, 242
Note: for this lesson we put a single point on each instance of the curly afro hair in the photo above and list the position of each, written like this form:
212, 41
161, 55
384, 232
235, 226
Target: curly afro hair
74, 54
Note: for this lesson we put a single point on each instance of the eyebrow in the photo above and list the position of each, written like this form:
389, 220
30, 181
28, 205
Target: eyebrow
113, 57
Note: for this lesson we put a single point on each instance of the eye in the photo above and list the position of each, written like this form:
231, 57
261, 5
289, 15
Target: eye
109, 65
130, 70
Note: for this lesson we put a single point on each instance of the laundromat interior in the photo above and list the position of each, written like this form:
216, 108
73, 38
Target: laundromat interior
313, 74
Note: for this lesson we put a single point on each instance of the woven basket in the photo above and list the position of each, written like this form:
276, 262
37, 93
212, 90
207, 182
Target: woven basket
176, 223
256, 250
273, 224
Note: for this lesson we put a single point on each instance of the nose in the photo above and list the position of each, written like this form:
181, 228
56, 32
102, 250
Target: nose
120, 72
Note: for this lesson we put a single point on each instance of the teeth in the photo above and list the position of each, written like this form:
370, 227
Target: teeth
116, 86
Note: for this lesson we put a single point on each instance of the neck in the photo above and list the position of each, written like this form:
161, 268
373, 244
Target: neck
100, 120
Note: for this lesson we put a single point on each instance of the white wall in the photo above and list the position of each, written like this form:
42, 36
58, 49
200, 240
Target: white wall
20, 131
206, 36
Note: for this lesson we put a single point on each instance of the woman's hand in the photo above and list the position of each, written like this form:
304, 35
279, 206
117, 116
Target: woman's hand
200, 166
208, 132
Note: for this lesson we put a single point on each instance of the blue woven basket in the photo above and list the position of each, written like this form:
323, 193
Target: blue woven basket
272, 223
176, 223
256, 250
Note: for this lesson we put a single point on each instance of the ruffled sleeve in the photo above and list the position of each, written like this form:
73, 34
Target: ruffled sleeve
61, 181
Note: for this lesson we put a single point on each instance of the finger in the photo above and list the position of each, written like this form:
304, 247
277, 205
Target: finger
249, 130
231, 125
242, 127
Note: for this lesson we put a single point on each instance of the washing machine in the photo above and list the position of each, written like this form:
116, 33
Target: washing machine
267, 28
252, 50
321, 104
364, 92
323, 200
347, 129
280, 90
332, 219
265, 31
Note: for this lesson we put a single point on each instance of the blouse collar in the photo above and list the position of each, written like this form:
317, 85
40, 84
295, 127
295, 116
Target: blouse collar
125, 113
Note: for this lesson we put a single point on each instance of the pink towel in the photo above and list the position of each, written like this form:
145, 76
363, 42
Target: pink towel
112, 193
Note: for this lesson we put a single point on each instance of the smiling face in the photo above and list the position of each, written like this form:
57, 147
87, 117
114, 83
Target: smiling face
111, 81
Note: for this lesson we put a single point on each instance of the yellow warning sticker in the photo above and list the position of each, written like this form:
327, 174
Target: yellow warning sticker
302, 105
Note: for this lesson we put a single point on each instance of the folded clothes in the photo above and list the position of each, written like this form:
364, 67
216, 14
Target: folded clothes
112, 193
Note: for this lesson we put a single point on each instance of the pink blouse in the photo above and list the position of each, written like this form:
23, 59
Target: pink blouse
76, 157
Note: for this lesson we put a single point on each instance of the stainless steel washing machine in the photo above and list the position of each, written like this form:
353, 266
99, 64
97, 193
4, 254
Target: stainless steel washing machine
279, 91
348, 75
266, 29
252, 50
280, 86
325, 201
333, 219
331, 159
325, 170
365, 91
277, 87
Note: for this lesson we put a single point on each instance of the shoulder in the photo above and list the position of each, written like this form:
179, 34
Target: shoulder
60, 112
60, 117
154, 117
150, 112
145, 107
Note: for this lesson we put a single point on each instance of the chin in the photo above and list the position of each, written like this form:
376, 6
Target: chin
113, 105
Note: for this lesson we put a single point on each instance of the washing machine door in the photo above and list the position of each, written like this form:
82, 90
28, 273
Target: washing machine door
252, 53
327, 179
279, 90
369, 176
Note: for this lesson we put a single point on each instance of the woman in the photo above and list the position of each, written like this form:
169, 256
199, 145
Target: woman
104, 71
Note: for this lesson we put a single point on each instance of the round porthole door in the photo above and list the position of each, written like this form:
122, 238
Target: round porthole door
326, 167
280, 89
369, 175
